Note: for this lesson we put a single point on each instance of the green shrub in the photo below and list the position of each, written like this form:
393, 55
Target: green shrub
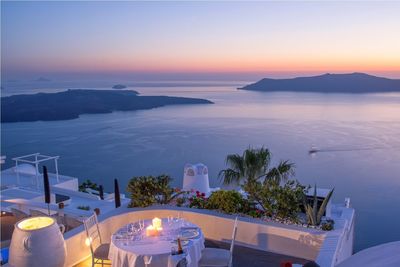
228, 201
281, 201
289, 199
180, 201
148, 190
88, 184
255, 213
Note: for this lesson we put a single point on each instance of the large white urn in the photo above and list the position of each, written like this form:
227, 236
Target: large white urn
37, 242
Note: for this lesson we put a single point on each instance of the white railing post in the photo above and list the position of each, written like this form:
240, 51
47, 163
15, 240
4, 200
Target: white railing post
37, 175
55, 160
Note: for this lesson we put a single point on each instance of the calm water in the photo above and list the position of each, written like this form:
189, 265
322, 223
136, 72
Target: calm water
361, 134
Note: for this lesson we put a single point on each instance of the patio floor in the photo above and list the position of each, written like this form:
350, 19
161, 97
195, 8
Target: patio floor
242, 257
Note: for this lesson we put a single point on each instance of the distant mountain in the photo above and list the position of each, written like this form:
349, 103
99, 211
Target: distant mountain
328, 83
43, 79
119, 86
72, 103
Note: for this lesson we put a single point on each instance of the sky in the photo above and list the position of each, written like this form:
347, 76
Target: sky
230, 39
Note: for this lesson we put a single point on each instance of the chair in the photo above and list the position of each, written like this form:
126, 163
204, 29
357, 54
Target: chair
99, 251
217, 256
19, 215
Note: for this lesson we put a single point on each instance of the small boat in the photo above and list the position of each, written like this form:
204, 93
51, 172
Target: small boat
313, 150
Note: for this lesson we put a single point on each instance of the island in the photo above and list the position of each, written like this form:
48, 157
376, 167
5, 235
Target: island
70, 104
119, 86
328, 83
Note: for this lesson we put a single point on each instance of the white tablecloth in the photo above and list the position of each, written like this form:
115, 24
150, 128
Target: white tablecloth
136, 253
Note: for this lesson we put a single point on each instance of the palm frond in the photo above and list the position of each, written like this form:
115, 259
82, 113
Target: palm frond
286, 169
235, 161
229, 176
256, 162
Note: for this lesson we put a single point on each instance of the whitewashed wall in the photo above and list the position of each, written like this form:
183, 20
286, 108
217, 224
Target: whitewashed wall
273, 237
338, 244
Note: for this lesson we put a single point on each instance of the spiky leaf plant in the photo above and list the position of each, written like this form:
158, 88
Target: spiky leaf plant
314, 215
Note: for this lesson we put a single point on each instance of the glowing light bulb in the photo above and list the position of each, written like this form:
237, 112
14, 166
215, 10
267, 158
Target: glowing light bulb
88, 241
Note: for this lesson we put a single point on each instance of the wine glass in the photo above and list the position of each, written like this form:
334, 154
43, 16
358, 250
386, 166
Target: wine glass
141, 225
180, 219
129, 229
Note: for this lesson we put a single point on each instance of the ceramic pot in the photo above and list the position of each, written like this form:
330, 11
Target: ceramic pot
37, 242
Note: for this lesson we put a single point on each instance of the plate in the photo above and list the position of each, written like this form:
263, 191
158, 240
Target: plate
190, 233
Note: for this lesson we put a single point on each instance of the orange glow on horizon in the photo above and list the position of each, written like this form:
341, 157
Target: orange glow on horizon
217, 66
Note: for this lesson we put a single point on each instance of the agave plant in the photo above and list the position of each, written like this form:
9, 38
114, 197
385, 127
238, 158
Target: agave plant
314, 215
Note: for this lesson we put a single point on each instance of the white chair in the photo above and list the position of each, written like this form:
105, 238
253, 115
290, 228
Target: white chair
218, 256
98, 249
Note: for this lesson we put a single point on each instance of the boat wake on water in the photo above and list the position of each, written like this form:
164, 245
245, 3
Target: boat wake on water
314, 150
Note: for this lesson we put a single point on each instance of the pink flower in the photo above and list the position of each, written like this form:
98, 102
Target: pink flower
203, 194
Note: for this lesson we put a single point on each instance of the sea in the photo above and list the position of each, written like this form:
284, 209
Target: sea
358, 136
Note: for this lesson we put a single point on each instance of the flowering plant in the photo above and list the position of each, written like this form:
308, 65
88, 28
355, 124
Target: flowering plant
198, 201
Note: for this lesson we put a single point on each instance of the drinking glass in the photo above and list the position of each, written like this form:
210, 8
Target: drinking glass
129, 229
141, 225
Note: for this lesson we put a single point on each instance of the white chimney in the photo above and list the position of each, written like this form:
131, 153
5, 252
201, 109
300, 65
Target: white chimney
195, 176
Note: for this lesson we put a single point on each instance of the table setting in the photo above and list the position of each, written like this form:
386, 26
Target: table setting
159, 242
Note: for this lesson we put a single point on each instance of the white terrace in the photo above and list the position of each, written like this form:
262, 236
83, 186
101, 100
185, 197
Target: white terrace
22, 189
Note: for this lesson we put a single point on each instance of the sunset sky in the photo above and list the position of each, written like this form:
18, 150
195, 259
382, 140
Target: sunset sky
43, 38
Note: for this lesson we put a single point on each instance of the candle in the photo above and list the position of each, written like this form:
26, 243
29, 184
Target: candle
157, 223
151, 231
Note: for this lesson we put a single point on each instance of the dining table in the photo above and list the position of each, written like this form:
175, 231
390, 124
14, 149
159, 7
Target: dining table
139, 244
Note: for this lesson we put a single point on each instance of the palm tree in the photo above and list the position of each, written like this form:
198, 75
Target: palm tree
252, 166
